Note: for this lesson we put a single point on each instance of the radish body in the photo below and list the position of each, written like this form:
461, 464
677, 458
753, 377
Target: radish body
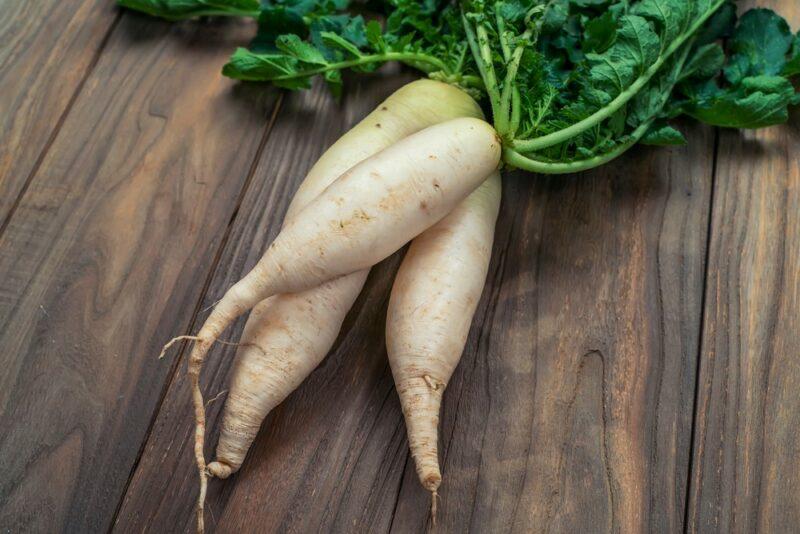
288, 335
364, 216
433, 300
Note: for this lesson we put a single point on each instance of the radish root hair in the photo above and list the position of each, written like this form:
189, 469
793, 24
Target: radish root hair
173, 341
195, 364
434, 498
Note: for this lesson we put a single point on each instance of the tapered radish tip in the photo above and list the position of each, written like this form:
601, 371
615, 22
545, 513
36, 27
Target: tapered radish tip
431, 482
219, 469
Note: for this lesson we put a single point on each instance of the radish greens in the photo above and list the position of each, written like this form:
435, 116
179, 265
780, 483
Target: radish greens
571, 84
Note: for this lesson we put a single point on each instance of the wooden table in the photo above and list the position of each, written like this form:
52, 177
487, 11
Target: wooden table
634, 364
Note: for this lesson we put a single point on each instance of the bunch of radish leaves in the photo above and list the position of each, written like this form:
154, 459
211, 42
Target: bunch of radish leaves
571, 84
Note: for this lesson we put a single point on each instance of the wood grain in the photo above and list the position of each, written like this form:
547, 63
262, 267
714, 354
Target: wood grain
49, 47
746, 472
107, 256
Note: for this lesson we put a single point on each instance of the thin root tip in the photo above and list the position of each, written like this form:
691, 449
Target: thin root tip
434, 499
219, 469
173, 341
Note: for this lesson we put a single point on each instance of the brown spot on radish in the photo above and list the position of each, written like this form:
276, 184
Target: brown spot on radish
384, 108
432, 157
423, 205
377, 125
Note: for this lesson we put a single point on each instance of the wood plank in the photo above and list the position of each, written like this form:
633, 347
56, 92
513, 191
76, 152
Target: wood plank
591, 317
746, 473
107, 256
295, 477
571, 410
50, 46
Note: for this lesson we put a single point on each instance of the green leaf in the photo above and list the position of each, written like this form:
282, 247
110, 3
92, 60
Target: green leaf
663, 135
589, 78
600, 34
719, 26
672, 18
556, 16
636, 48
591, 3
247, 65
512, 11
705, 62
184, 9
757, 102
293, 46
792, 67
375, 35
759, 45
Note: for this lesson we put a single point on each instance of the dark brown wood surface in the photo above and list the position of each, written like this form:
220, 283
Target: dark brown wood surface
106, 255
577, 406
49, 47
746, 466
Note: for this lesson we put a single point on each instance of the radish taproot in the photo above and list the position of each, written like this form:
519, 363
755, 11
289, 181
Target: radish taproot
363, 217
433, 299
287, 336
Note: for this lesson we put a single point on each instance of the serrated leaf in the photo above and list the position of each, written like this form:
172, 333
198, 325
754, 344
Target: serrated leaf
663, 135
292, 45
636, 48
246, 65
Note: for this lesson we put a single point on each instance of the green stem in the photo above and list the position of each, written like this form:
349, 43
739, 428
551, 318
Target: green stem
490, 79
475, 82
483, 69
473, 45
555, 138
515, 159
516, 112
509, 86
403, 57
501, 31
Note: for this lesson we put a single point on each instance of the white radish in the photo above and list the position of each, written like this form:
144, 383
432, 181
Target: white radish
288, 335
366, 215
363, 217
433, 300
